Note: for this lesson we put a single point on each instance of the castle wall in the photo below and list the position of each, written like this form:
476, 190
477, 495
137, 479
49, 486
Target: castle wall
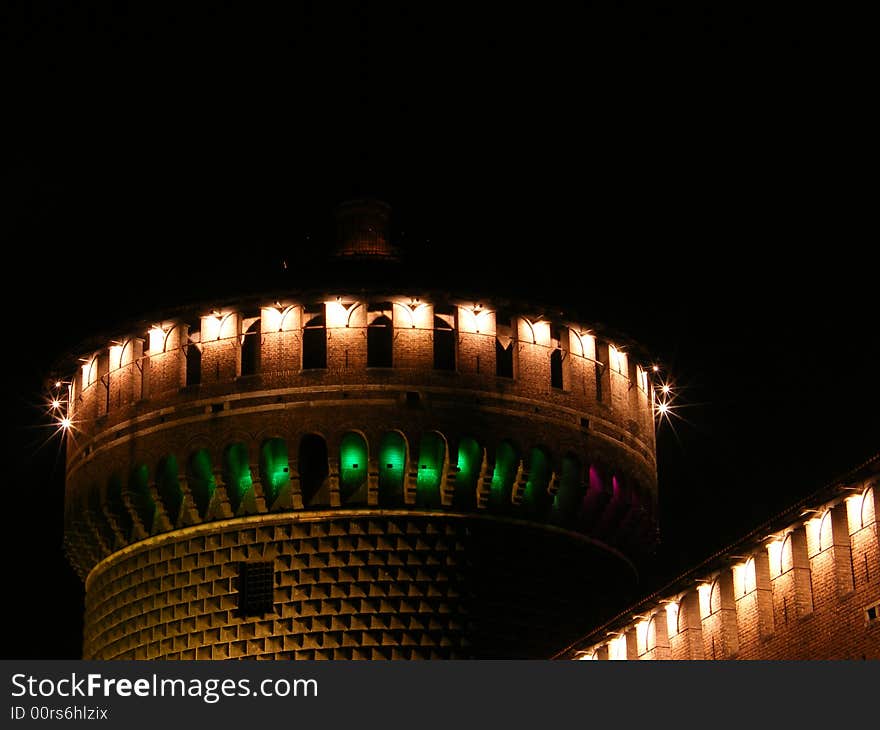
811, 591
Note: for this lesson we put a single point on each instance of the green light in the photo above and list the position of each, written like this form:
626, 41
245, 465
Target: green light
236, 474
535, 498
201, 480
432, 453
274, 468
352, 465
168, 487
392, 463
502, 479
469, 461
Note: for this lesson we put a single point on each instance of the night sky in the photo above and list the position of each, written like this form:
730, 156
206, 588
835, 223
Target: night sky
677, 175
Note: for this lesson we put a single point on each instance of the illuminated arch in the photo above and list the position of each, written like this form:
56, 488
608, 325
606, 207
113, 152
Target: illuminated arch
200, 478
432, 457
236, 473
468, 460
501, 489
313, 469
393, 454
866, 516
353, 467
274, 468
826, 537
715, 597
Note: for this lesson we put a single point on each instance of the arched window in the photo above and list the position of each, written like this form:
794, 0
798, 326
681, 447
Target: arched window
444, 343
200, 478
432, 455
274, 469
469, 461
556, 369
506, 462
353, 458
504, 359
314, 340
193, 364
236, 473
250, 350
536, 498
168, 486
380, 340
825, 536
715, 597
313, 468
392, 468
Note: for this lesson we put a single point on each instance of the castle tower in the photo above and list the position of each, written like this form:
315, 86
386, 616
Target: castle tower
357, 473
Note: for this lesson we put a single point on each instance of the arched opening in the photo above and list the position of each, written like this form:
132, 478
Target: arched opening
313, 469
432, 455
469, 461
536, 498
571, 488
380, 340
506, 462
353, 458
168, 487
504, 359
250, 350
200, 478
274, 468
392, 468
140, 497
314, 342
116, 505
236, 473
193, 364
556, 369
444, 345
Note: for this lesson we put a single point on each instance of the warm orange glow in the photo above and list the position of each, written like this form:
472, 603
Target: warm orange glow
157, 340
655, 368
337, 313
774, 552
617, 359
115, 357
642, 636
583, 344
587, 656
65, 423
642, 378
705, 593
744, 580
666, 389
663, 408
57, 383
271, 319
672, 619
617, 648
56, 403
476, 320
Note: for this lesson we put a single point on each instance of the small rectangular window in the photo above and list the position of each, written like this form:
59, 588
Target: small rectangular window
872, 614
256, 588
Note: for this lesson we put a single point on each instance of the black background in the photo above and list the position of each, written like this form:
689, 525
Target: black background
689, 176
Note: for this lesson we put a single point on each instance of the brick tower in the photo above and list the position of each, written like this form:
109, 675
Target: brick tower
359, 472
